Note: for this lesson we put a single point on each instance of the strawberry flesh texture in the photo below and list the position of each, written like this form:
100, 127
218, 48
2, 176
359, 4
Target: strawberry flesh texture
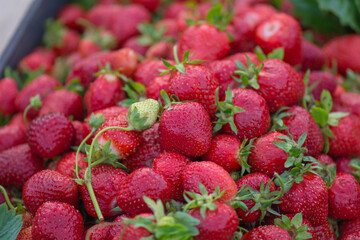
11, 136
8, 92
25, 234
324, 80
70, 14
156, 85
66, 164
270, 232
313, 57
324, 232
38, 58
349, 226
148, 70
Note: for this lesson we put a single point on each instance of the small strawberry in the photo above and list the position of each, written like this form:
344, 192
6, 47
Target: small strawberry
25, 234
269, 232
313, 57
57, 220
185, 128
63, 101
326, 168
142, 182
40, 58
8, 92
281, 30
66, 164
49, 185
18, 165
50, 135
70, 14
11, 136
345, 189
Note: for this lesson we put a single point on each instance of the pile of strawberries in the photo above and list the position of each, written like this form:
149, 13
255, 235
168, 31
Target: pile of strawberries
180, 121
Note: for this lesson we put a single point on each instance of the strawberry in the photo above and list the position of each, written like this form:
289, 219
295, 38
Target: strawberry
313, 57
50, 135
70, 14
11, 174
174, 9
129, 231
324, 232
147, 151
324, 80
18, 121
40, 58
11, 136
42, 85
344, 50
344, 189
147, 71
281, 30
156, 85
228, 152
49, 185
98, 232
299, 121
348, 100
102, 15
296, 225
185, 128
349, 226
171, 165
210, 175
142, 182
149, 5
133, 43
8, 92
160, 49
66, 164
269, 232
351, 236
57, 220
325, 159
63, 101
25, 234
170, 26
79, 132
105, 91
106, 181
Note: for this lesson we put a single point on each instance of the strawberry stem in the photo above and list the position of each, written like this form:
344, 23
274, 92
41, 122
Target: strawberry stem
8, 202
78, 151
35, 102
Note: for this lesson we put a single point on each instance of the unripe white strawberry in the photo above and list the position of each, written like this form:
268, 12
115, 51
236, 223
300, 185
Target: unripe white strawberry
143, 115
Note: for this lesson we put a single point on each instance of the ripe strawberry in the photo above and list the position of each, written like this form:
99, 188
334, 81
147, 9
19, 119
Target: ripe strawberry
101, 15
123, 143
50, 135
99, 231
156, 85
313, 57
11, 136
8, 92
325, 159
344, 197
38, 58
57, 220
18, 165
297, 226
142, 182
42, 85
133, 43
217, 43
106, 181
299, 122
351, 236
281, 30
267, 158
130, 232
70, 14
270, 232
66, 164
79, 132
324, 232
308, 197
105, 91
49, 185
185, 128
63, 101
147, 151
344, 50
25, 234
348, 100
160, 49
349, 226
174, 9
147, 71
324, 80
18, 121
171, 28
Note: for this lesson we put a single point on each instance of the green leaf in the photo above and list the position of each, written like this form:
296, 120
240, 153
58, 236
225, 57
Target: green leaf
10, 225
277, 53
297, 220
320, 116
326, 100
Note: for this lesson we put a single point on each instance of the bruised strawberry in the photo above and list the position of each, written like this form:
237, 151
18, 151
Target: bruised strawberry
281, 30
70, 14
313, 57
186, 128
50, 135
8, 92
11, 136
147, 71
63, 101
142, 182
66, 164
53, 217
49, 185
40, 58
18, 165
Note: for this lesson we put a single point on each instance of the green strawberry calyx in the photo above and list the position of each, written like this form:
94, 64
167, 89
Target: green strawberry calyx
10, 223
277, 119
54, 33
295, 228
355, 163
277, 53
226, 111
35, 103
244, 152
249, 74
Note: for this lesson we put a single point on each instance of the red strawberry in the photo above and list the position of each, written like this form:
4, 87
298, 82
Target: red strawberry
211, 176
156, 85
267, 158
270, 232
160, 49
349, 226
151, 5
313, 56
174, 9
171, 165
8, 92
325, 159
324, 232
66, 164
186, 128
18, 121
142, 182
57, 220
171, 28
299, 122
105, 91
11, 136
324, 80
351, 236
42, 85
348, 100
345, 51
25, 234
70, 14
49, 185
50, 135
18, 165
344, 197
281, 30
123, 143
193, 39
309, 197
101, 15
38, 58
130, 232
133, 43
147, 151
106, 182
99, 231
147, 71
79, 132
63, 101
297, 226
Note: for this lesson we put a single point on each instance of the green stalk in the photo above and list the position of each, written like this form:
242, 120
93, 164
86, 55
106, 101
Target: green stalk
8, 202
282, 189
78, 151
25, 114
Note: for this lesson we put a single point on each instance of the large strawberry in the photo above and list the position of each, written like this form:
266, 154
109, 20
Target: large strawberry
11, 136
281, 30
185, 128
49, 185
40, 58
50, 135
8, 92
57, 220
18, 165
